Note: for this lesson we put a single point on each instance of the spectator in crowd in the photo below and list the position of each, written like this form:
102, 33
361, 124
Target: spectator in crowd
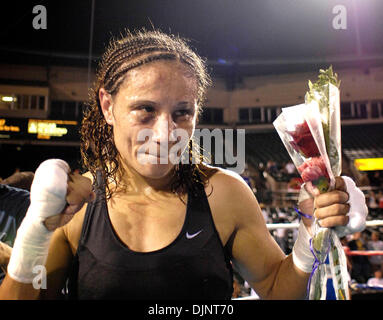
271, 167
364, 181
280, 235
377, 245
290, 168
261, 186
249, 179
21, 180
372, 201
14, 203
346, 249
376, 179
377, 280
5, 254
361, 268
380, 200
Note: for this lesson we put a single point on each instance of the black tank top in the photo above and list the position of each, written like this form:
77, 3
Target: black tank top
194, 266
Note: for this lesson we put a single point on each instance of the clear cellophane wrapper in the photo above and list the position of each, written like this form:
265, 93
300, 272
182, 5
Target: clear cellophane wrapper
311, 135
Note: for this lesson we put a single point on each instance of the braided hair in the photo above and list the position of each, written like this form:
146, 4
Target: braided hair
134, 49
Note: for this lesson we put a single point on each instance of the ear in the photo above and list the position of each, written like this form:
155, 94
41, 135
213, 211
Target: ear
106, 104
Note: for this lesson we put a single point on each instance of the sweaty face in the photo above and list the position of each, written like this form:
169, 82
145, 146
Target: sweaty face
153, 116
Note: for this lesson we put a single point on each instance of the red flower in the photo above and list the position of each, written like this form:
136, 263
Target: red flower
314, 173
303, 141
313, 169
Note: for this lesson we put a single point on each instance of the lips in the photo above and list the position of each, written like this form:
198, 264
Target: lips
155, 155
145, 157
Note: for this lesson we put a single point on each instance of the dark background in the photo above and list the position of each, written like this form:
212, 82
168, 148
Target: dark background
267, 36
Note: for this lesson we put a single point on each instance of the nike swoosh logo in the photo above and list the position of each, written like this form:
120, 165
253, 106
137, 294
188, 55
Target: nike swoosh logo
191, 236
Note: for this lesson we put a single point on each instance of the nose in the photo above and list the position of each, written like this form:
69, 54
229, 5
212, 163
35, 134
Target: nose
163, 128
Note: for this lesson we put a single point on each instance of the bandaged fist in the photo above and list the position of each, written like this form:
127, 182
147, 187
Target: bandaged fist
57, 194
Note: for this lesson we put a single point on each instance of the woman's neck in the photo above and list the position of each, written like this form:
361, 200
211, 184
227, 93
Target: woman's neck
138, 183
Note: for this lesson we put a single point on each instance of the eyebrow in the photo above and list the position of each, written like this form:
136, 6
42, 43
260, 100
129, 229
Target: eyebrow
149, 102
186, 104
138, 103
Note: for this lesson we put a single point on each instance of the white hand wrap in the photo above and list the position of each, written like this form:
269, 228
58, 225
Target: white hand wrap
48, 198
302, 256
358, 210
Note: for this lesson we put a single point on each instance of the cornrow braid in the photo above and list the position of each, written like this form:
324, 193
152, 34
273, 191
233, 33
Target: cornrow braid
131, 50
130, 43
116, 80
112, 67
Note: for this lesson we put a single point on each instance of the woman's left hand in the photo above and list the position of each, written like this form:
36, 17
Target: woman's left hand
343, 208
331, 208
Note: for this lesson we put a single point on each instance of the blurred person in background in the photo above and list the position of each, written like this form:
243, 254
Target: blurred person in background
375, 244
377, 280
361, 267
379, 197
20, 179
372, 202
14, 203
290, 168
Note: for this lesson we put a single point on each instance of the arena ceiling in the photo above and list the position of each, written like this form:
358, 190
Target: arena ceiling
251, 36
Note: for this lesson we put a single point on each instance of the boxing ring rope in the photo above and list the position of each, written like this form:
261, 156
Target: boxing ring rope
273, 226
363, 253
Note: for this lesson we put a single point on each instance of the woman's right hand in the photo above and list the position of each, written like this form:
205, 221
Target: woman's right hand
78, 193
57, 194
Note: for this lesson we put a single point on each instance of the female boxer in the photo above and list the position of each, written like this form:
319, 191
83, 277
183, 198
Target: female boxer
154, 228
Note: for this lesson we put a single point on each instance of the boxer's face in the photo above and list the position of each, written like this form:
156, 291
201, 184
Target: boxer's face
154, 100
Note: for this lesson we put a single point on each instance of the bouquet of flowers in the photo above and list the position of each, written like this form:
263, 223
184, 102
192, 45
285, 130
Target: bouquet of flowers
311, 134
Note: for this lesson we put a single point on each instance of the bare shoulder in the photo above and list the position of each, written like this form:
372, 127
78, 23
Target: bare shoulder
225, 175
231, 194
230, 185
